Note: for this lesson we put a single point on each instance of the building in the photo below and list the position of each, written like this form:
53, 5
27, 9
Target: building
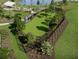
9, 4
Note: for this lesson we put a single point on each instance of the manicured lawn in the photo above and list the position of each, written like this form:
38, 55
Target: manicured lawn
66, 47
37, 26
18, 53
1, 1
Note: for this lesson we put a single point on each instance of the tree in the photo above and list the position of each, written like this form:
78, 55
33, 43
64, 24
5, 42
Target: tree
3, 53
46, 48
13, 0
38, 2
64, 1
52, 1
17, 21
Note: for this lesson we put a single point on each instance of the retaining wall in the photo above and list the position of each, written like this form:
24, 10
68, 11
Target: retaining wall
52, 37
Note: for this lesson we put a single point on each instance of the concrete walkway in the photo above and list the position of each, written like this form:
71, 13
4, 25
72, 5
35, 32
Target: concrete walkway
2, 24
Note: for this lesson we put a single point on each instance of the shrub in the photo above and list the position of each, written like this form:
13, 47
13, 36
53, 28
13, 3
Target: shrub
30, 38
3, 53
55, 20
46, 48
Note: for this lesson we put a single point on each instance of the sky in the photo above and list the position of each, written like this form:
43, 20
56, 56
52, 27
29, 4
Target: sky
28, 2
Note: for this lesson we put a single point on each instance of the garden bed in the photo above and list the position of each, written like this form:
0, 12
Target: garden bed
38, 25
51, 37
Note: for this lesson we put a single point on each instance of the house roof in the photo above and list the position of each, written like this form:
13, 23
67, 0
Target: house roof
9, 3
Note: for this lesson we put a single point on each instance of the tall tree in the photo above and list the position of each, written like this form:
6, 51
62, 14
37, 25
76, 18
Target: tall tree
38, 2
52, 1
18, 25
13, 0
18, 22
64, 1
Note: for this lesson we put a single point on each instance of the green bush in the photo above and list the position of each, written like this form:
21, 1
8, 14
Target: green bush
30, 38
54, 20
46, 48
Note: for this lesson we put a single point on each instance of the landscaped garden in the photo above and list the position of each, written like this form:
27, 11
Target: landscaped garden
38, 25
24, 35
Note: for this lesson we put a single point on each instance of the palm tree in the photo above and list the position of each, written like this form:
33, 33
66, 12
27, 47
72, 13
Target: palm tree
18, 25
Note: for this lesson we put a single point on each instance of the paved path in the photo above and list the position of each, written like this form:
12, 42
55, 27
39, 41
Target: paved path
1, 24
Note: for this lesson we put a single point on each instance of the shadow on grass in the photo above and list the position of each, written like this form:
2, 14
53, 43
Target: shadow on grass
39, 16
12, 27
47, 20
44, 14
22, 39
42, 28
45, 23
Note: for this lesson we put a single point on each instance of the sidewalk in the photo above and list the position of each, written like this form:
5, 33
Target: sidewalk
1, 24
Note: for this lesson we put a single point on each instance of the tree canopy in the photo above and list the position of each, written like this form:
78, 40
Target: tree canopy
13, 0
18, 22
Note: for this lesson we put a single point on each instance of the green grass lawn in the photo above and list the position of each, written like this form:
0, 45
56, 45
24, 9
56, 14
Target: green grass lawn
37, 26
18, 53
66, 47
